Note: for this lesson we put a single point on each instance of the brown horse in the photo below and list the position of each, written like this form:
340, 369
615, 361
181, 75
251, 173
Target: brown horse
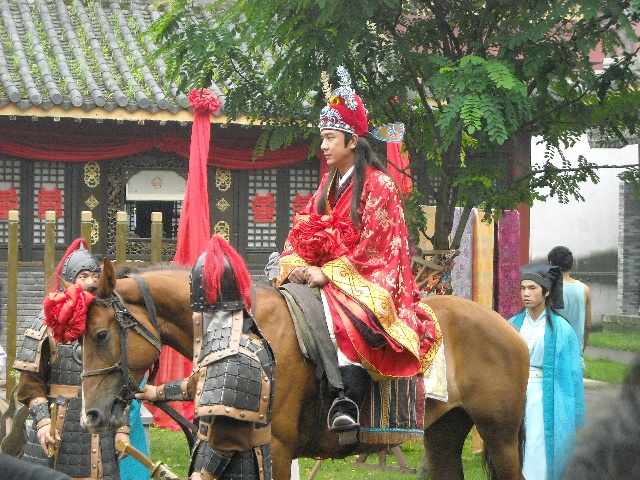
487, 372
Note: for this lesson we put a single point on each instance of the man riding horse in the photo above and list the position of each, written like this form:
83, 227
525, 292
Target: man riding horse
351, 243
232, 380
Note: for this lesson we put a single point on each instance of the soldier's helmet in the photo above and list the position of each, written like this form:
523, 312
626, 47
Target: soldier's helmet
199, 301
220, 279
77, 259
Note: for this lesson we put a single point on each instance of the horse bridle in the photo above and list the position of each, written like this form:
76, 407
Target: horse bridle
127, 321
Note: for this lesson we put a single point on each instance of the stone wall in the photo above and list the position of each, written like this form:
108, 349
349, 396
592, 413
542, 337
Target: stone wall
628, 251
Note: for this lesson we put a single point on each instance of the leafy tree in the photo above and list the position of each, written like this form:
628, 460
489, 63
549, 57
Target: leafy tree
471, 80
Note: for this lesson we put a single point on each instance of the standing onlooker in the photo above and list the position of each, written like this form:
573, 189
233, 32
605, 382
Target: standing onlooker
576, 296
232, 380
49, 362
555, 392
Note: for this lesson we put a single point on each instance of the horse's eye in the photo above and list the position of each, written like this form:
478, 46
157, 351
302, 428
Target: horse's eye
101, 336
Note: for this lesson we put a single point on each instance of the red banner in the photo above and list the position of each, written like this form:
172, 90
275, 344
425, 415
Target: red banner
49, 200
8, 201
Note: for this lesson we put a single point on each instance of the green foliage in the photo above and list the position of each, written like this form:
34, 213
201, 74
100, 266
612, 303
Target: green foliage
470, 81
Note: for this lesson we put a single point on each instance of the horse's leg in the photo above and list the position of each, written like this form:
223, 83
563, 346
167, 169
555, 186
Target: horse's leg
281, 457
443, 442
501, 437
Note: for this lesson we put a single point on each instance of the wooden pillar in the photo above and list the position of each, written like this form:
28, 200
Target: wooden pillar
12, 298
156, 238
121, 237
49, 247
86, 217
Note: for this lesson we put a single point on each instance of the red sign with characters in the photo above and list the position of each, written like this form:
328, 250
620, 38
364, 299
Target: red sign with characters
8, 201
49, 200
264, 208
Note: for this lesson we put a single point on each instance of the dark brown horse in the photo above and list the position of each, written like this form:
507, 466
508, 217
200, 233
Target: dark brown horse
487, 371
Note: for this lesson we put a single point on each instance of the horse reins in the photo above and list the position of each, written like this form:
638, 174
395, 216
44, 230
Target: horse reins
127, 321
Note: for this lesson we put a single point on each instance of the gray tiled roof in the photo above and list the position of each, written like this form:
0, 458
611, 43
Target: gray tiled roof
82, 54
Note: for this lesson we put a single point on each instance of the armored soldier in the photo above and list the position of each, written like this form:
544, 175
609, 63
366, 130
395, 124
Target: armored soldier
50, 380
232, 381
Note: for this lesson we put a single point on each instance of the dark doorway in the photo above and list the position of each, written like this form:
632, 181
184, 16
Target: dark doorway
143, 212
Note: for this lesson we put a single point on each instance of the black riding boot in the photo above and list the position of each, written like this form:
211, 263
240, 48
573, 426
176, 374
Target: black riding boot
344, 414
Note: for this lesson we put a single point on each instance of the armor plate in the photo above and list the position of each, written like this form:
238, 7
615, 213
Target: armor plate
235, 370
73, 455
254, 464
28, 357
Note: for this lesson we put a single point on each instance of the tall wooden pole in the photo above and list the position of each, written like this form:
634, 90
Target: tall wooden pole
86, 217
49, 246
121, 238
12, 297
156, 238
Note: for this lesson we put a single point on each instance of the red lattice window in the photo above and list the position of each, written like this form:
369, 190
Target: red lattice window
262, 196
48, 194
49, 200
264, 208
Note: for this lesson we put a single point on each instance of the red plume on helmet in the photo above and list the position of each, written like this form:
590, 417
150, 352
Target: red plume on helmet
65, 312
217, 249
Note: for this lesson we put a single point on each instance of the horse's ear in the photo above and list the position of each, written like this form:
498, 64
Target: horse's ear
64, 283
107, 282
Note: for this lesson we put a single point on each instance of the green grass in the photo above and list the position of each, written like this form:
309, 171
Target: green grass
345, 470
605, 370
171, 448
616, 341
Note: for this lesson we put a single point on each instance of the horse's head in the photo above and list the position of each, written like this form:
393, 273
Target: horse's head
119, 345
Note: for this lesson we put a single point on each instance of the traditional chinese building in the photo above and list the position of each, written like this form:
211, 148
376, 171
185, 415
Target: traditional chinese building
82, 127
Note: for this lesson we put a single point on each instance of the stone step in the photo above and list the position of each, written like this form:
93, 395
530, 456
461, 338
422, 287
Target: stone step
621, 323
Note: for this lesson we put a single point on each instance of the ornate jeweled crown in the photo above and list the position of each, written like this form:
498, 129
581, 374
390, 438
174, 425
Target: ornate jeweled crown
345, 110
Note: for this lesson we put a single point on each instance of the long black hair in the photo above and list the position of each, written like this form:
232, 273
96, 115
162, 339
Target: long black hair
364, 155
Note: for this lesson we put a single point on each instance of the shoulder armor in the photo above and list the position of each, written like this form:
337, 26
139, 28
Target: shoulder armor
28, 357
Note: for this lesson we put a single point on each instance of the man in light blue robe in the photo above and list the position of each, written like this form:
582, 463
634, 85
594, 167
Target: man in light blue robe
555, 378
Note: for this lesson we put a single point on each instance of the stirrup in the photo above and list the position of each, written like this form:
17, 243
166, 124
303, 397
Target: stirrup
343, 424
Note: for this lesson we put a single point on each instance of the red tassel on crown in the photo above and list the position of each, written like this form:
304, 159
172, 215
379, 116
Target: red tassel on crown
345, 111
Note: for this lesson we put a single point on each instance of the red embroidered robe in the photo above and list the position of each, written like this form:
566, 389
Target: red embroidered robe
378, 317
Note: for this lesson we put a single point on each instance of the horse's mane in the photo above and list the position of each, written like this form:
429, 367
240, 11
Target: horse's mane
125, 270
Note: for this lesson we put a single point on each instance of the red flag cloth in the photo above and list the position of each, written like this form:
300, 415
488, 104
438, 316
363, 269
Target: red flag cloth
397, 165
193, 235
